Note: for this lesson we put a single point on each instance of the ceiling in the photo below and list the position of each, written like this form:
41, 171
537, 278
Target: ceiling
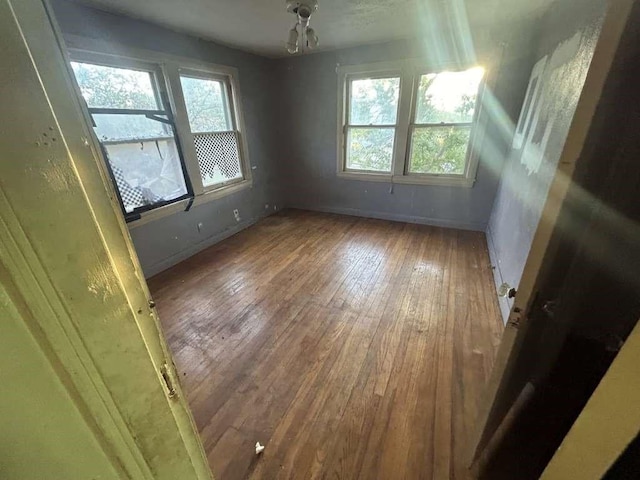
261, 26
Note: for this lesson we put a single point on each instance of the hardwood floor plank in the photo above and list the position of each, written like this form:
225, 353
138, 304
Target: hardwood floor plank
350, 347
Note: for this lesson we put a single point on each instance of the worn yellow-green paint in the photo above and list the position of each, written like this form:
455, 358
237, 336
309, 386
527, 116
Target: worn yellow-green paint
607, 424
74, 281
43, 433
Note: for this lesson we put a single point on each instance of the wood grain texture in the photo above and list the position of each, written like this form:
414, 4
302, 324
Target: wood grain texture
350, 347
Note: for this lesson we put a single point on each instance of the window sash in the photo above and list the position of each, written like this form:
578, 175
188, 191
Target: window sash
227, 95
230, 105
411, 144
365, 76
410, 73
368, 127
166, 70
416, 76
157, 83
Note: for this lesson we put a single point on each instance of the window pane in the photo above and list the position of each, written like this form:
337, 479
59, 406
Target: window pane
374, 101
218, 157
146, 172
117, 127
448, 97
439, 150
111, 87
207, 106
370, 148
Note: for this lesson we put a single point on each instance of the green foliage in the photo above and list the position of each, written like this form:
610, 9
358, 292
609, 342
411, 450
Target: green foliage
109, 87
374, 101
206, 105
439, 150
370, 149
434, 150
430, 109
152, 169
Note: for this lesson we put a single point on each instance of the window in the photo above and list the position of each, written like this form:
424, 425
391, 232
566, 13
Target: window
136, 133
371, 123
408, 126
212, 126
163, 148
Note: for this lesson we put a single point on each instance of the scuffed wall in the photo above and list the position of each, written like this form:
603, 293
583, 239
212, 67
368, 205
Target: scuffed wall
169, 240
567, 39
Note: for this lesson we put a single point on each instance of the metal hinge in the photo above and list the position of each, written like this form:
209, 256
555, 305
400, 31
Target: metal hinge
171, 390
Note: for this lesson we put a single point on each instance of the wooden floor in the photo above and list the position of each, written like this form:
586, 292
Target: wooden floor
350, 347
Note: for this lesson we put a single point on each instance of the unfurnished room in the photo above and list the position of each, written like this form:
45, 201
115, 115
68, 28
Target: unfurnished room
272, 239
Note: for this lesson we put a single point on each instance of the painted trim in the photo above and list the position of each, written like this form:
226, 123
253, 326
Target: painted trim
542, 250
158, 213
608, 423
82, 211
393, 217
90, 50
438, 180
218, 193
504, 303
409, 71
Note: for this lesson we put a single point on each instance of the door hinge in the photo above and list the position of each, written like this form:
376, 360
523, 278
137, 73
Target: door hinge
166, 376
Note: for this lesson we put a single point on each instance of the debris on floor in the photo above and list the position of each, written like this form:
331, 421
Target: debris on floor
259, 448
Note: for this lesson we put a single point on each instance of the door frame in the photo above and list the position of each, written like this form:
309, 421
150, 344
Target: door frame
66, 248
544, 247
608, 423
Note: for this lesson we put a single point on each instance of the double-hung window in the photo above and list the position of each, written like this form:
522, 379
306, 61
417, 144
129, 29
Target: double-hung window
371, 121
213, 127
403, 124
136, 131
171, 132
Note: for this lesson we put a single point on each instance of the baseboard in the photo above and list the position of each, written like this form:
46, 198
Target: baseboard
505, 307
198, 247
436, 222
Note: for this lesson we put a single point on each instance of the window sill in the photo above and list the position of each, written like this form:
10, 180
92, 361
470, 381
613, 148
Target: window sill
217, 193
435, 180
158, 213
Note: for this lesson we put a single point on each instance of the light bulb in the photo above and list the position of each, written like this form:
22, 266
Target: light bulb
292, 44
312, 38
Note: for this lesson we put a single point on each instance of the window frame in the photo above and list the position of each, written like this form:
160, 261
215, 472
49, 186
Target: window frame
231, 109
410, 73
349, 79
99, 52
158, 84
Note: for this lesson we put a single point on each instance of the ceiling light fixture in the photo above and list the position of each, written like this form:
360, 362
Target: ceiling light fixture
301, 35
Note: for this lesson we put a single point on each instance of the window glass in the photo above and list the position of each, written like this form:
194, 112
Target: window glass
439, 150
117, 127
370, 149
146, 172
374, 101
140, 149
143, 157
112, 87
210, 122
448, 97
207, 106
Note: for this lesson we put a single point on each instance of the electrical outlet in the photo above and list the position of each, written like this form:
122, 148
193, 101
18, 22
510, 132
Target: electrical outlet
236, 214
